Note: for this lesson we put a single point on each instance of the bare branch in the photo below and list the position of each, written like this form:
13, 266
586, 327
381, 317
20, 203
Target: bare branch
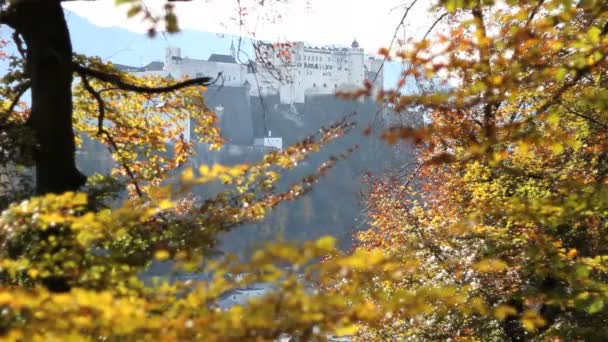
440, 18
390, 46
121, 84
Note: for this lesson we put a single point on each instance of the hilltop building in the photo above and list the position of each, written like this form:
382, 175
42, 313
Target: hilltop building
288, 75
291, 71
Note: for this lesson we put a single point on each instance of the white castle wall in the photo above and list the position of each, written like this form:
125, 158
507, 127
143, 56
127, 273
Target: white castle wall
304, 71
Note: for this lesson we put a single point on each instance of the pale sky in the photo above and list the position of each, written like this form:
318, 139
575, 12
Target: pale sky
372, 23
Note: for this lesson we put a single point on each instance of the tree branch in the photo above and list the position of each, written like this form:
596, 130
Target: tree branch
534, 12
440, 18
19, 43
121, 84
99, 99
584, 116
128, 170
21, 88
579, 74
390, 46
102, 131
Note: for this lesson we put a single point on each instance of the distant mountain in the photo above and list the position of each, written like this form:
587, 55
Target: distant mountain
135, 49
125, 47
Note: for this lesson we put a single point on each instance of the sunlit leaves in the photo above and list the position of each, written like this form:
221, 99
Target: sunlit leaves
148, 135
509, 200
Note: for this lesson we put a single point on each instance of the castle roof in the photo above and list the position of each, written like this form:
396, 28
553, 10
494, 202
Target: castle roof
153, 66
222, 58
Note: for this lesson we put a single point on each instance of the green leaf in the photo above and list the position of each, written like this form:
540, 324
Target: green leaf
594, 34
596, 306
560, 74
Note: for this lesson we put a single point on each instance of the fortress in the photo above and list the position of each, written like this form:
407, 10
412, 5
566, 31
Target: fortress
278, 97
291, 71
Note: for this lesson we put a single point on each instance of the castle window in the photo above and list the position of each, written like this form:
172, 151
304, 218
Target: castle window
324, 85
314, 85
335, 86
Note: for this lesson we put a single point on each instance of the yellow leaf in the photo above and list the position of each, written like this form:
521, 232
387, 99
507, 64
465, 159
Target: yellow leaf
326, 243
80, 199
572, 253
188, 175
594, 34
490, 265
347, 330
161, 255
531, 320
503, 311
557, 148
553, 119
165, 204
32, 272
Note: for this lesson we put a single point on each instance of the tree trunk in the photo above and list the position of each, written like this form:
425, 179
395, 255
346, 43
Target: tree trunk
49, 54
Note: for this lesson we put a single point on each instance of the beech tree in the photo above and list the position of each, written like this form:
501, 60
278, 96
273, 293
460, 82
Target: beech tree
48, 71
508, 204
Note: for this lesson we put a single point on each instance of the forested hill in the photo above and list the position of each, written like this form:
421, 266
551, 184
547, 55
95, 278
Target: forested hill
334, 205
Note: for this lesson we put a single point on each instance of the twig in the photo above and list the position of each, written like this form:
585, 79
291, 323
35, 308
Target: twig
390, 46
440, 18
100, 103
534, 12
124, 165
586, 117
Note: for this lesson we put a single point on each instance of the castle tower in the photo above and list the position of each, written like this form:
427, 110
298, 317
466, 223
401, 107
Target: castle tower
172, 55
232, 50
356, 67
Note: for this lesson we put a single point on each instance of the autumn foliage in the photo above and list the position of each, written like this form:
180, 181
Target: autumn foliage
499, 233
508, 202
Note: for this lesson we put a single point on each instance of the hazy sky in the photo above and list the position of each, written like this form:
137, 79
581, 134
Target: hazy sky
315, 21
